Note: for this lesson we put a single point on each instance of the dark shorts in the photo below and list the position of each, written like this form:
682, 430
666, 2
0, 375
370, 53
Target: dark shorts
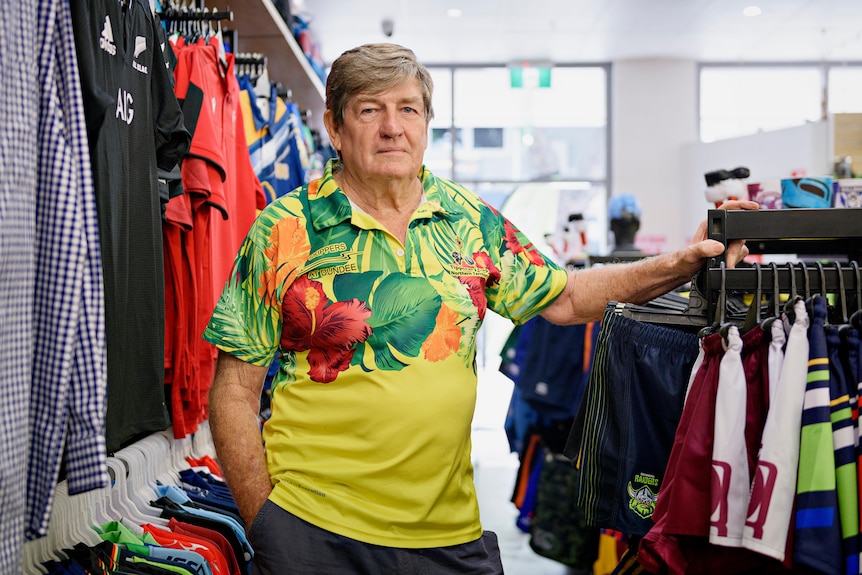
625, 426
286, 545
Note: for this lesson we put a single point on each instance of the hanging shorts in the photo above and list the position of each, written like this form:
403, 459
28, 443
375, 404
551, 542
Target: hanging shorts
624, 431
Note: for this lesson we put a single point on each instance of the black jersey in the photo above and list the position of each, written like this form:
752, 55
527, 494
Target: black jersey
141, 132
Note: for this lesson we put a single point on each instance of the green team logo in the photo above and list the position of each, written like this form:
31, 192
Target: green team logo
643, 493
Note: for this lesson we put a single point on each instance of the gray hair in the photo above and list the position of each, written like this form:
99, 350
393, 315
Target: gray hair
373, 69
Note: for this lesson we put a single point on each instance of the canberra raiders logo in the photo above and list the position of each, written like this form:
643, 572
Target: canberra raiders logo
643, 493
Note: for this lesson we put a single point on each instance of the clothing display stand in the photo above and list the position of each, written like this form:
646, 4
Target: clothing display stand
816, 235
194, 15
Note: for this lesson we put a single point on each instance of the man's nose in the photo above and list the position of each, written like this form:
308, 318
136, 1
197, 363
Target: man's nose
391, 124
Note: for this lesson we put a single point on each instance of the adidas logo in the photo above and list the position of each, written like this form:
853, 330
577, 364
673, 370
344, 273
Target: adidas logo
140, 47
106, 40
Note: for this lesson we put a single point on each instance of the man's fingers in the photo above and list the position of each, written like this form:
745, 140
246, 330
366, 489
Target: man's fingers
736, 253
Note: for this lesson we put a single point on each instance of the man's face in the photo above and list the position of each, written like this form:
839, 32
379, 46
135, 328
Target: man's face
383, 136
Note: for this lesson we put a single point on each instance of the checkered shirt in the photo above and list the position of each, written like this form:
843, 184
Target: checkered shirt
69, 373
18, 120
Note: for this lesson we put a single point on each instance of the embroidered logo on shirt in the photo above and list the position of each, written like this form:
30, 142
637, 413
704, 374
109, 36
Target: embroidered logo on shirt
106, 40
465, 265
643, 494
459, 257
330, 260
140, 47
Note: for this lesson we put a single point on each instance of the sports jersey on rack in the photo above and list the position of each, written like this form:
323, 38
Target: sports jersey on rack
223, 197
817, 533
844, 438
774, 487
271, 143
141, 131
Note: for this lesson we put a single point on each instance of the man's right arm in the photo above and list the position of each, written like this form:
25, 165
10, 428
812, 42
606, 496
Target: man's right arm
234, 404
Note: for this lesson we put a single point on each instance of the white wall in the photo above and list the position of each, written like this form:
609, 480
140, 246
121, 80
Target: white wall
806, 150
654, 114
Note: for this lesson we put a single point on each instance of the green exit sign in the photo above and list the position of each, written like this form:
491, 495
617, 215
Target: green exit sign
530, 76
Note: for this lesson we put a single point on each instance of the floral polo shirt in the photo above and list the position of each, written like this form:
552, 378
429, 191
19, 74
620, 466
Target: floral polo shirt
372, 406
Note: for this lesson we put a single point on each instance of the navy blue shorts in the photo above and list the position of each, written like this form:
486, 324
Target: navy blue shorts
624, 431
286, 545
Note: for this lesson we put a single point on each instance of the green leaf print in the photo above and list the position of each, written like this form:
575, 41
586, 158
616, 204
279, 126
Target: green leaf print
348, 286
403, 314
492, 231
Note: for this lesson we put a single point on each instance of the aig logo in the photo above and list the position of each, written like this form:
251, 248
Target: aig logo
125, 112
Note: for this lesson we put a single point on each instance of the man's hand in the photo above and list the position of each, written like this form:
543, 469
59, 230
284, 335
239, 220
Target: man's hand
701, 248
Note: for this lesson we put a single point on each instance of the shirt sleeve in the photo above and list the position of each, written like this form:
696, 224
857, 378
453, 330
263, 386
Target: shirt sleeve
247, 320
529, 280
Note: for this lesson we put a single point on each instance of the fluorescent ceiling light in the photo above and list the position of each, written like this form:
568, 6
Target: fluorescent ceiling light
454, 12
752, 11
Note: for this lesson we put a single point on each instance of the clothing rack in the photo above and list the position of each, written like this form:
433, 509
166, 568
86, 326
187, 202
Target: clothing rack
194, 15
828, 232
251, 63
816, 234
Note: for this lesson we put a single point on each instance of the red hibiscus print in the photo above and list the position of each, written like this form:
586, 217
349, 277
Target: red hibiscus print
483, 260
476, 289
328, 330
515, 245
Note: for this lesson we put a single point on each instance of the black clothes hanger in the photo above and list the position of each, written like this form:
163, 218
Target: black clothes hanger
752, 318
766, 325
790, 305
856, 317
815, 231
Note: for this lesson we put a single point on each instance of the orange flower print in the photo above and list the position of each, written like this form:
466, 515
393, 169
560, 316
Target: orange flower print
445, 338
287, 252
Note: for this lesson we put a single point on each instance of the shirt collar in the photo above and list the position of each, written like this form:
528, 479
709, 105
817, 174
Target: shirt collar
329, 206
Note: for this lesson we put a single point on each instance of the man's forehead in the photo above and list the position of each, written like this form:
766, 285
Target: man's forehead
407, 92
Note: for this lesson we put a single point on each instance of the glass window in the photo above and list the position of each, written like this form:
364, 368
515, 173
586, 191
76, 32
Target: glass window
438, 156
572, 223
738, 101
845, 89
530, 132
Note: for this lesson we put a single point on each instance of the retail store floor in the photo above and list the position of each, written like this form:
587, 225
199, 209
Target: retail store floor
495, 471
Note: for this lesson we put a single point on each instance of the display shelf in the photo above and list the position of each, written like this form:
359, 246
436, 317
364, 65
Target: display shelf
260, 28
798, 231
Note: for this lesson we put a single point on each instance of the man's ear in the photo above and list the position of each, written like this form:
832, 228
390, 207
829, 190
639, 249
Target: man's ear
332, 130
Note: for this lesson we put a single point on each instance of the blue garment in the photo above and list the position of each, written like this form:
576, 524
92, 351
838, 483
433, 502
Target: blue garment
299, 147
844, 442
210, 500
554, 372
19, 108
191, 477
274, 157
624, 432
176, 495
528, 505
191, 560
520, 415
817, 531
69, 383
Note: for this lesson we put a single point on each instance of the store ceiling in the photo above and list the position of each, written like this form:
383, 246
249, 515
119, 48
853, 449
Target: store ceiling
569, 31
